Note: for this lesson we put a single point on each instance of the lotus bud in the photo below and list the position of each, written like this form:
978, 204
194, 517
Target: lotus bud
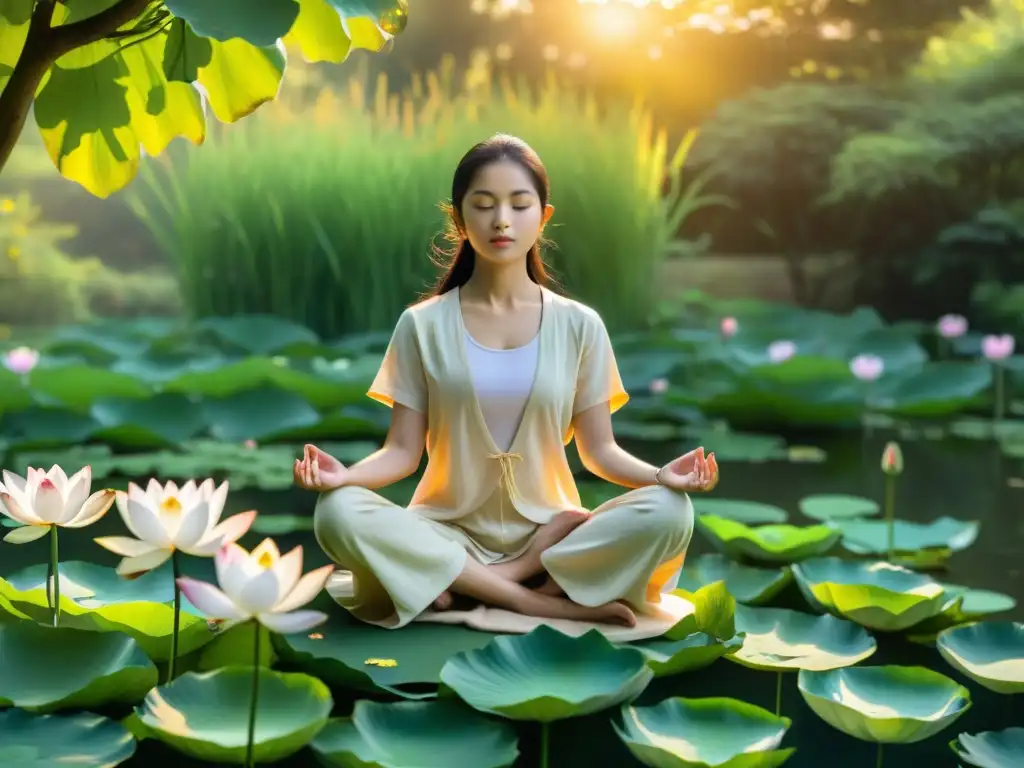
892, 459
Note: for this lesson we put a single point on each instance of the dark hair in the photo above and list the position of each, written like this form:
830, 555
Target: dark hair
458, 262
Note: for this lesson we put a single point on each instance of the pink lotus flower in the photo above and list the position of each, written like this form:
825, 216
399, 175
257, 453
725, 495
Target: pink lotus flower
729, 326
867, 367
250, 444
42, 500
952, 326
658, 386
260, 585
21, 360
779, 351
997, 347
892, 459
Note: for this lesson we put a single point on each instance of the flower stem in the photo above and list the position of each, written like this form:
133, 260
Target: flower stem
890, 515
878, 760
176, 574
54, 568
778, 696
1000, 397
250, 756
545, 743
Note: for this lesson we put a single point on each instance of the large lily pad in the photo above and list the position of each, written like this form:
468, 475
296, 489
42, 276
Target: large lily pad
749, 512
778, 639
876, 595
46, 669
966, 605
888, 704
43, 741
749, 585
435, 734
989, 749
704, 733
990, 653
206, 716
767, 543
96, 598
695, 651
837, 506
545, 675
871, 537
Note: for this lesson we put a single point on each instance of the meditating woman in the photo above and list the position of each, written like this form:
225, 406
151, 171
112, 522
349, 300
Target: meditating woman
495, 373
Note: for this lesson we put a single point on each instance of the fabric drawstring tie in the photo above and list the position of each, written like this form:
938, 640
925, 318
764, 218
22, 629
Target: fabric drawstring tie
508, 479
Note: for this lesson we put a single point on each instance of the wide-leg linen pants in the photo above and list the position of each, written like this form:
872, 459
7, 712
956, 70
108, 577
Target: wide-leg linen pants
630, 549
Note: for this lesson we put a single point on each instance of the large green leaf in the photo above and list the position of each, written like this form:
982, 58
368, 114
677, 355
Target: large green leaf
837, 506
78, 386
436, 734
257, 414
666, 656
13, 31
767, 543
704, 733
753, 586
739, 510
83, 739
714, 612
938, 389
260, 22
871, 537
206, 716
545, 675
158, 421
46, 669
990, 653
989, 749
887, 704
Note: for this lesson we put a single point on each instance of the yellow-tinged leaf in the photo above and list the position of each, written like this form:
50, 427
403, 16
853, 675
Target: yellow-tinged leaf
12, 40
318, 33
365, 34
240, 77
161, 111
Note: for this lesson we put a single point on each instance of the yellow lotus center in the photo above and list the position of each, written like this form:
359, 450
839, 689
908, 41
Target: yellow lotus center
171, 504
266, 560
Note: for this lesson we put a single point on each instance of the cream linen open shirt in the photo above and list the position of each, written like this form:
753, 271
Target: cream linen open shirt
426, 368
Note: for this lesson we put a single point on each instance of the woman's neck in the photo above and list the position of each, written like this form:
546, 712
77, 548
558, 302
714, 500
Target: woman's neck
496, 285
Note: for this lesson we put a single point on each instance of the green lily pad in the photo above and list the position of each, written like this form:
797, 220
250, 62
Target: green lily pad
887, 704
206, 716
778, 639
876, 595
696, 651
989, 749
837, 506
545, 675
871, 537
44, 741
94, 597
704, 733
767, 543
965, 605
277, 525
740, 511
348, 653
713, 612
424, 734
990, 653
47, 669
749, 585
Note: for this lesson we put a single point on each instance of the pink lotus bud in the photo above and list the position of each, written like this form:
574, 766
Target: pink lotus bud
779, 351
729, 326
997, 347
952, 326
657, 386
867, 367
249, 444
892, 459
21, 360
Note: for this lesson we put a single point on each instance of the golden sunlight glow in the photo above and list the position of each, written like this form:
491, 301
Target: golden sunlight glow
615, 21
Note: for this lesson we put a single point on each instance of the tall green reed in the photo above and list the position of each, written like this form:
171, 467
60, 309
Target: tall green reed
325, 212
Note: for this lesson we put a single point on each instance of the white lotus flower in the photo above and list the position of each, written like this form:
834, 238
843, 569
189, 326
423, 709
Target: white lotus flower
165, 518
260, 585
42, 500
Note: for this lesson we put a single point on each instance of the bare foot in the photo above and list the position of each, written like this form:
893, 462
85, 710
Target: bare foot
443, 601
609, 613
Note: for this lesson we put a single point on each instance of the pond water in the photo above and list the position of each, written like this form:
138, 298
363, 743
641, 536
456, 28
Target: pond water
961, 479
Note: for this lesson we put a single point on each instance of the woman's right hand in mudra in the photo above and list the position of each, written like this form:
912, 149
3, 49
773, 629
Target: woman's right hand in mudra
318, 470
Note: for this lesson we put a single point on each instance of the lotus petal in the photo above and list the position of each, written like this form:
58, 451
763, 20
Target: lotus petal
26, 534
290, 623
309, 587
767, 543
93, 509
133, 566
210, 600
546, 675
78, 739
886, 704
206, 716
876, 595
778, 639
704, 733
991, 749
46, 669
435, 734
990, 653
752, 586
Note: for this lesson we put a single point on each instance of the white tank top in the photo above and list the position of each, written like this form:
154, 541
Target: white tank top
503, 379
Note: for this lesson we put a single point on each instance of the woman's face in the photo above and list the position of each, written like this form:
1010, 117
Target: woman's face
502, 213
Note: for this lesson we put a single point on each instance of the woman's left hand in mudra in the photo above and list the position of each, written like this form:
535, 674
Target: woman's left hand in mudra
691, 472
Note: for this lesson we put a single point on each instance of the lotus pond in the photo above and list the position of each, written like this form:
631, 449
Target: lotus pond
806, 644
